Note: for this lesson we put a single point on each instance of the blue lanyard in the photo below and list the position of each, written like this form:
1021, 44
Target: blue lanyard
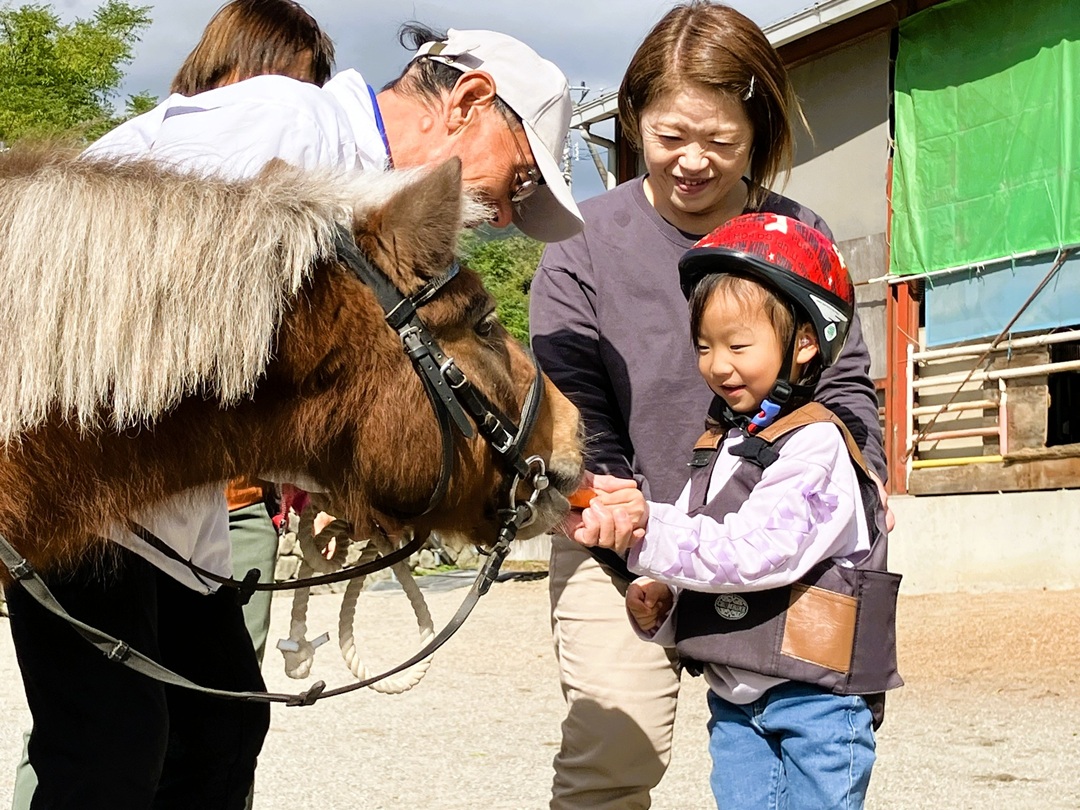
381, 126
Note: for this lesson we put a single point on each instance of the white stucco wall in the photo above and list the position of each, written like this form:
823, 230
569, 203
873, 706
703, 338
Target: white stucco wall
995, 541
957, 543
841, 171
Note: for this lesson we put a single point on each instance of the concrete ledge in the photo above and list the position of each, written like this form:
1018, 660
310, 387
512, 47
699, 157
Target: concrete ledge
985, 542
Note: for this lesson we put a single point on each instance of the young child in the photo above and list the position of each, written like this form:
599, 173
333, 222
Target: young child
768, 574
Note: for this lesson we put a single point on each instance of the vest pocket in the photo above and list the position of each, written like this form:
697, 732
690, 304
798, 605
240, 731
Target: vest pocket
875, 634
819, 627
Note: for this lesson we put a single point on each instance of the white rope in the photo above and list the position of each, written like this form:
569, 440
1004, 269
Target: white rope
408, 678
299, 652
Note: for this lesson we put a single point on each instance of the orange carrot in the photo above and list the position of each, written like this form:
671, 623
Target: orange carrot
580, 499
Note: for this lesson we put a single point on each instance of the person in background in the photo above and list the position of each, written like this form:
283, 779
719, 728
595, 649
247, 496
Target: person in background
248, 38
709, 103
245, 38
122, 740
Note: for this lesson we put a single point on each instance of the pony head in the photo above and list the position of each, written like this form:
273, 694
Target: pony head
189, 329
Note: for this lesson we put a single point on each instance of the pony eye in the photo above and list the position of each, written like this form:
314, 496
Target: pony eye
486, 325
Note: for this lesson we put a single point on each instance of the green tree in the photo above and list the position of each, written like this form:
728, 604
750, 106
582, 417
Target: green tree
61, 79
507, 266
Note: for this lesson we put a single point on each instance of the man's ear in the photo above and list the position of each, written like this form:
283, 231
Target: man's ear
806, 345
475, 90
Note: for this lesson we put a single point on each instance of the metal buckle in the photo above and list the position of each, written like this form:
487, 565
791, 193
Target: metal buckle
453, 375
538, 480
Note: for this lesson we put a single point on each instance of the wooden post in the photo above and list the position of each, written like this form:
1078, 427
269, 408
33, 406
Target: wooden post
901, 329
626, 159
902, 319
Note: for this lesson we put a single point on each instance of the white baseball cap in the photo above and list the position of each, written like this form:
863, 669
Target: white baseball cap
537, 91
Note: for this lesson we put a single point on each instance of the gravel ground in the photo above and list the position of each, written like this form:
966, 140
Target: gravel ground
986, 718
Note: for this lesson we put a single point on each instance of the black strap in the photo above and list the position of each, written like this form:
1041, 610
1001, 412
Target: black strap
613, 561
378, 564
493, 424
757, 451
119, 651
401, 315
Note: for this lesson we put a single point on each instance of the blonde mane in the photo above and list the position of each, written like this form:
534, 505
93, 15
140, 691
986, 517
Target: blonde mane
125, 286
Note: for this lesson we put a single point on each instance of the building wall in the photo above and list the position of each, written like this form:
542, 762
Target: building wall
998, 541
841, 172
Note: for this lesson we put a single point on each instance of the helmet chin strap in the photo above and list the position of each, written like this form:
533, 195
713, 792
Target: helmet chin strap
782, 395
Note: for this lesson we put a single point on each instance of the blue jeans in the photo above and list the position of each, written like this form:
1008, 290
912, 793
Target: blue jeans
798, 746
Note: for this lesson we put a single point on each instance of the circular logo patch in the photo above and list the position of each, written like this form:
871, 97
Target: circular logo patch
731, 606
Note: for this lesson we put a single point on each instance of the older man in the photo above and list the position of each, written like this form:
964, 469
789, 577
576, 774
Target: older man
483, 97
480, 96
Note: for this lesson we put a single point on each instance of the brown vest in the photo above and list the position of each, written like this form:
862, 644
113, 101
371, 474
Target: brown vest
836, 627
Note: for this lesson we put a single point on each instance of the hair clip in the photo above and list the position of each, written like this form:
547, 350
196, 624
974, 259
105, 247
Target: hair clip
749, 94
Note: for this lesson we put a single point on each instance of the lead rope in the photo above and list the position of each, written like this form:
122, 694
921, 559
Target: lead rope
299, 652
408, 678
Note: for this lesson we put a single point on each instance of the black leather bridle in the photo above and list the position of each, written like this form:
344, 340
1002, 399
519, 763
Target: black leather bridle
453, 396
457, 403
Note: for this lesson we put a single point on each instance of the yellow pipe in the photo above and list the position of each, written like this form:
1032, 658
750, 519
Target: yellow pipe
955, 462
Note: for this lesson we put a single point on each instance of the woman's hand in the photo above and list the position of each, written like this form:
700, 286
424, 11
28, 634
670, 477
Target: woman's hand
890, 518
648, 602
615, 518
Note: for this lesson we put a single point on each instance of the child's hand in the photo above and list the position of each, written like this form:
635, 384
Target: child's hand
616, 517
648, 602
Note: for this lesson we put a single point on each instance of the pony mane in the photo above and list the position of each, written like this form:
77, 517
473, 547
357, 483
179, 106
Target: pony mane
126, 285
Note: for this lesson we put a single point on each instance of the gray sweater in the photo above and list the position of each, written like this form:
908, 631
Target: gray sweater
610, 327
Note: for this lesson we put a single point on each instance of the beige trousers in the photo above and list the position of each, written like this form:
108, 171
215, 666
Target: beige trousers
620, 691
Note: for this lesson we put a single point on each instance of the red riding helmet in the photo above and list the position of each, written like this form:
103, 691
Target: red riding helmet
797, 261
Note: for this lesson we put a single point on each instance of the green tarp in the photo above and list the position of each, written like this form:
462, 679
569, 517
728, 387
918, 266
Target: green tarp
987, 160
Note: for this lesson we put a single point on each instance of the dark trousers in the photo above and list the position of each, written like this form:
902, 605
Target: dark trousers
105, 736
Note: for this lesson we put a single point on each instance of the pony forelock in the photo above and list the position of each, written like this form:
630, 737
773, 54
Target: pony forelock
125, 286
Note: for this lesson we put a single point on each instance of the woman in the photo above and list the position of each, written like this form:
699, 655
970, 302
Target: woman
244, 39
708, 102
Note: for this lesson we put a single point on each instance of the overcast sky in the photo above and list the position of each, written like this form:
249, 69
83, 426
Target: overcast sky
591, 40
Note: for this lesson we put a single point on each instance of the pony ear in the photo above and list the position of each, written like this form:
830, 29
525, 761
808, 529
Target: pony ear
420, 223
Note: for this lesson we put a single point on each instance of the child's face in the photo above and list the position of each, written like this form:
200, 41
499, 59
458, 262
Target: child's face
739, 354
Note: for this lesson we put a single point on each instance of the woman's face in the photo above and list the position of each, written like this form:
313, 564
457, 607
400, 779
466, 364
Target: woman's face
696, 144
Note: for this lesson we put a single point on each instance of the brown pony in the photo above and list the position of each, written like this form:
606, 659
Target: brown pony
165, 332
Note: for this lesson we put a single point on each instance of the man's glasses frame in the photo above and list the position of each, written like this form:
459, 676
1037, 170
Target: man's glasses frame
522, 189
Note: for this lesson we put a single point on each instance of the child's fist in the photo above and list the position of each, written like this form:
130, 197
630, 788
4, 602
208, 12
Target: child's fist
648, 602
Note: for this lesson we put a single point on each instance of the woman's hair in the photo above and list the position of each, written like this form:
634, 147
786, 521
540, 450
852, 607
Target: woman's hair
249, 38
716, 48
427, 79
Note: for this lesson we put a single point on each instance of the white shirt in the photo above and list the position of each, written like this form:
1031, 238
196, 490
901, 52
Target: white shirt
234, 131
806, 508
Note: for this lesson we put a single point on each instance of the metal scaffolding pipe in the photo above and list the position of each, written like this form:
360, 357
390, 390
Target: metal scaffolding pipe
1000, 374
1003, 417
962, 433
1018, 343
923, 463
970, 405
